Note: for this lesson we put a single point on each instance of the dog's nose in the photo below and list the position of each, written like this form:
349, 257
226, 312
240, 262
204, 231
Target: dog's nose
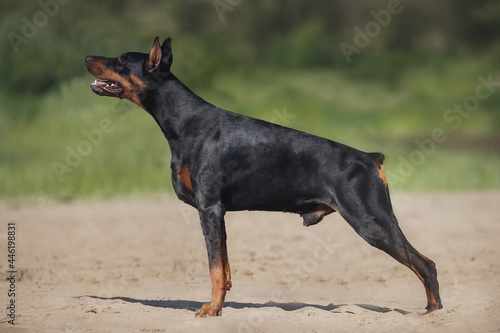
88, 59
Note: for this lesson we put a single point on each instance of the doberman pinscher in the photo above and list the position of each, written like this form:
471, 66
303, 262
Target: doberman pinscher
223, 161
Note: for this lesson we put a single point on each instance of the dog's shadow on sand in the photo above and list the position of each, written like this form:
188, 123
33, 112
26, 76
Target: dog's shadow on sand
293, 306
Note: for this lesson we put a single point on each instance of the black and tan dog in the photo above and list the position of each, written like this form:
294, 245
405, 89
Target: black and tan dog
223, 161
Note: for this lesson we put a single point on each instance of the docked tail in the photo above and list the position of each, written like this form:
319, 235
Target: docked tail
378, 158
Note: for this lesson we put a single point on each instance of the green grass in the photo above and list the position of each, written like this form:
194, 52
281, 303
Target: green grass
132, 157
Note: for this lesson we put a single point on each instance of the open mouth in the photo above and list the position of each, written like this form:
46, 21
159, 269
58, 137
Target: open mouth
106, 88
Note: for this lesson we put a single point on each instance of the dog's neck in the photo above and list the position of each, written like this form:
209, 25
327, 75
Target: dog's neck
172, 104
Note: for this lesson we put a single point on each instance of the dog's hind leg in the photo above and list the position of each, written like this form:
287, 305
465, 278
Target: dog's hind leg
370, 213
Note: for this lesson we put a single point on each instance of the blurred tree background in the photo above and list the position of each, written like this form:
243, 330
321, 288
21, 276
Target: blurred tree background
413, 61
219, 34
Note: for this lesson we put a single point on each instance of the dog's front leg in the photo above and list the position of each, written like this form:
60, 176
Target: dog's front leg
214, 230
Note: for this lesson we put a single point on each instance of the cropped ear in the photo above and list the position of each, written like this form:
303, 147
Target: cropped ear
166, 50
154, 55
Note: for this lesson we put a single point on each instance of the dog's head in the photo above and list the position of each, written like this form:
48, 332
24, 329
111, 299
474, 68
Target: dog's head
132, 74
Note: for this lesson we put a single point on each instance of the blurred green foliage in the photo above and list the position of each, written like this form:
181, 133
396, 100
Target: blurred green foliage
260, 58
289, 34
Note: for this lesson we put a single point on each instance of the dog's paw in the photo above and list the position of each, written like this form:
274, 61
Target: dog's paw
209, 310
433, 307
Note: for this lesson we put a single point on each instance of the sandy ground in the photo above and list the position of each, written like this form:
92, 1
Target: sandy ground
140, 265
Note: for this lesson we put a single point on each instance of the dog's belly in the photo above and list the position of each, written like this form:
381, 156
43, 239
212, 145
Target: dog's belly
289, 191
